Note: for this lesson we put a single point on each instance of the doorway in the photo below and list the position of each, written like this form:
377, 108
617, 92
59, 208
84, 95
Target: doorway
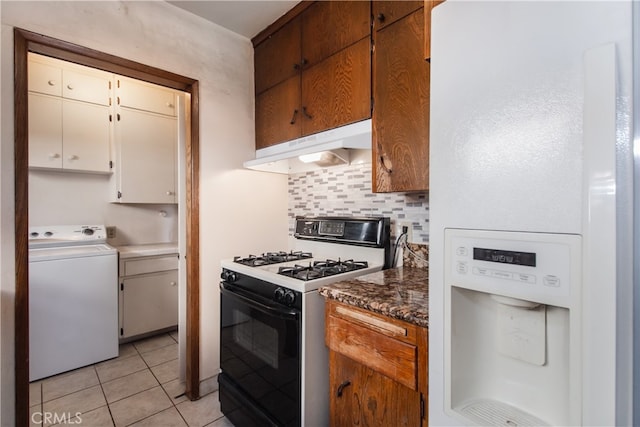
24, 42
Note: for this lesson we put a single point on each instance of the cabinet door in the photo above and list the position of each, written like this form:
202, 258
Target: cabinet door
278, 57
86, 132
337, 91
44, 78
146, 166
387, 12
149, 303
45, 131
88, 87
401, 110
330, 26
145, 96
278, 114
361, 396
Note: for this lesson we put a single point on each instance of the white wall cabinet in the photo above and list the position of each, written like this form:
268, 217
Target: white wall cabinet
70, 118
148, 294
146, 136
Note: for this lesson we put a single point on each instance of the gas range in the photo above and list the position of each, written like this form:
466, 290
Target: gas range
327, 249
272, 319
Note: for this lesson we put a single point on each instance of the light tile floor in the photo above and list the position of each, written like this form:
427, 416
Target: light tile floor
138, 388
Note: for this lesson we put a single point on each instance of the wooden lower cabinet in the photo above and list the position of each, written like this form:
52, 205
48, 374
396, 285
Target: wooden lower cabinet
377, 368
362, 396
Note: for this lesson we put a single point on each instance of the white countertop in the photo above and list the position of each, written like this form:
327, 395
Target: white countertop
151, 249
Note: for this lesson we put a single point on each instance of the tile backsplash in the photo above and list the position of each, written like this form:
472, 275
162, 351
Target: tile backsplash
346, 191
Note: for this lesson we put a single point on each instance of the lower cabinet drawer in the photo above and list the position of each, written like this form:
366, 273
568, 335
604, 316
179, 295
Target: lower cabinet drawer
145, 265
389, 356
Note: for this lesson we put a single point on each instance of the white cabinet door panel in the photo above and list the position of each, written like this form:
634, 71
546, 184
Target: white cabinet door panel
44, 78
45, 131
149, 303
146, 97
147, 145
93, 88
86, 135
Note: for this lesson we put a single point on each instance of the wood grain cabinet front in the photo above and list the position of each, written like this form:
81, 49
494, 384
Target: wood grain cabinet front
314, 72
401, 102
377, 368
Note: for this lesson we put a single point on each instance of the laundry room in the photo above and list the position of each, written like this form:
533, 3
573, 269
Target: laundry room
104, 215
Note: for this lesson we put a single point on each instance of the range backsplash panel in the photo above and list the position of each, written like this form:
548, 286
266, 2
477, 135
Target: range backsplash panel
346, 191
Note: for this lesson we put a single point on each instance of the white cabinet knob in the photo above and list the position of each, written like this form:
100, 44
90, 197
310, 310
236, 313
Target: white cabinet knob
173, 283
170, 105
73, 157
169, 193
51, 82
70, 86
54, 155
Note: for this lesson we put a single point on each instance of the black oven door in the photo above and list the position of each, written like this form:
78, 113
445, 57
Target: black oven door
260, 345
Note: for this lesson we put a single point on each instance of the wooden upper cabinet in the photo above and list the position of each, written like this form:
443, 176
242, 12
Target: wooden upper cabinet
314, 72
401, 107
330, 26
278, 57
387, 12
337, 91
278, 113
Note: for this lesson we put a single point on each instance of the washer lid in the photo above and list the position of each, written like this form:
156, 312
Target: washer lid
67, 252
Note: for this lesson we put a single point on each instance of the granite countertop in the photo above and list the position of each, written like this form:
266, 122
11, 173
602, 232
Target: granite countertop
152, 249
401, 293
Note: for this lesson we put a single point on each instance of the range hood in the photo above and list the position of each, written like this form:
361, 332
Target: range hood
346, 144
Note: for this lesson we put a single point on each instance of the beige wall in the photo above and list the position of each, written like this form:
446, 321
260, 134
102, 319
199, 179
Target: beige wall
160, 35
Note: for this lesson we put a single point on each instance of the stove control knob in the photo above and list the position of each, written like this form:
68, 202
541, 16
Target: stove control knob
289, 297
278, 295
228, 276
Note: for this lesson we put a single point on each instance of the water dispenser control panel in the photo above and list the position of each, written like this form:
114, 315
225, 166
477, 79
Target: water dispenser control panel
535, 267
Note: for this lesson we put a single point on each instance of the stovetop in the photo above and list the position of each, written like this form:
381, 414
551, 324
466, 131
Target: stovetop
268, 258
317, 269
325, 250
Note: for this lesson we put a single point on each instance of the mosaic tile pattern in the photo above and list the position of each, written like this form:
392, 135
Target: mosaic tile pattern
346, 191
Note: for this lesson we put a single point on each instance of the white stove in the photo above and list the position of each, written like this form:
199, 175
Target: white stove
265, 298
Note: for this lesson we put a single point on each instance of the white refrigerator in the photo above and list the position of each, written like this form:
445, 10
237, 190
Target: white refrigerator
531, 279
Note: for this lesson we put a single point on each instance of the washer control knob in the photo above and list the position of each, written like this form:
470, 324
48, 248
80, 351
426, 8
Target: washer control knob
48, 233
34, 234
87, 232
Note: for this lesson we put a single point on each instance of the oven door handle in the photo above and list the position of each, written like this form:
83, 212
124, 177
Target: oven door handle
259, 303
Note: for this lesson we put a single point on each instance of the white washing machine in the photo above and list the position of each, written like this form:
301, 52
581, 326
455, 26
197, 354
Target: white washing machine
73, 299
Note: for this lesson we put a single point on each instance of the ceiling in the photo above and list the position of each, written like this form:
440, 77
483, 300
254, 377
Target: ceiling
244, 17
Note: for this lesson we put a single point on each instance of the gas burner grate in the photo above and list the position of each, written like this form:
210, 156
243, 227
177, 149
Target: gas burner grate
320, 269
268, 258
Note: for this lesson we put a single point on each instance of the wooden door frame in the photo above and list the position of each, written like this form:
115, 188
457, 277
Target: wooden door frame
24, 42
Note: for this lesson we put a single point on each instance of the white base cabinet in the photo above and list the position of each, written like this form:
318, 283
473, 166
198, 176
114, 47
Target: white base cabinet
148, 294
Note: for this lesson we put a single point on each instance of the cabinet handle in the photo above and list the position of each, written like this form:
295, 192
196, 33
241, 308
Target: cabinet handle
73, 157
306, 114
51, 82
172, 283
70, 86
386, 165
169, 193
54, 156
381, 17
342, 386
293, 119
301, 64
170, 105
